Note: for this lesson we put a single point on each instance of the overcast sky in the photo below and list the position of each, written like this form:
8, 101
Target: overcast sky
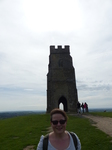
29, 27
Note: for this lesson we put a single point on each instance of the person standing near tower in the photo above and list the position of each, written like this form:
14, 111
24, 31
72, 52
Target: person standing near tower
78, 107
82, 107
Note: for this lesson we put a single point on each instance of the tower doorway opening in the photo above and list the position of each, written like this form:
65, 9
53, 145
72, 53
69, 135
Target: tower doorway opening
62, 103
61, 106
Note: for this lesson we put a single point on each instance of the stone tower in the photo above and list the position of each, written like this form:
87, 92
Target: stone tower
61, 83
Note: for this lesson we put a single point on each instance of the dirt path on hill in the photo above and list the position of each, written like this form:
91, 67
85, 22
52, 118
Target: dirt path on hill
30, 147
102, 123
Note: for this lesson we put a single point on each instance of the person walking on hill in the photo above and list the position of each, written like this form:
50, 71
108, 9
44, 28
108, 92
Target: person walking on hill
82, 107
86, 107
78, 107
59, 138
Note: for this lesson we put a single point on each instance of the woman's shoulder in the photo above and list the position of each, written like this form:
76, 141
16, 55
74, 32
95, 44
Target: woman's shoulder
72, 133
42, 137
75, 139
40, 144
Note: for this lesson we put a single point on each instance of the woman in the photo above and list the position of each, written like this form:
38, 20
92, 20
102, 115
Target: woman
59, 138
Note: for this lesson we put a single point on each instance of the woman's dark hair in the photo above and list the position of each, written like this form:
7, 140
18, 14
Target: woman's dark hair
58, 111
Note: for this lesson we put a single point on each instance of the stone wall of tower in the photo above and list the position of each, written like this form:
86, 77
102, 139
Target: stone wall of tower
61, 80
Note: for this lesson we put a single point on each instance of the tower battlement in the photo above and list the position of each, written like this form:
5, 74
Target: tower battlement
59, 49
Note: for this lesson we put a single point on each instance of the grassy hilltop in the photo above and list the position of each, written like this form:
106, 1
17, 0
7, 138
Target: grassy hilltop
19, 132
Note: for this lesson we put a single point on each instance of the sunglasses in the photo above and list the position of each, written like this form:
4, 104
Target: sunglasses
55, 122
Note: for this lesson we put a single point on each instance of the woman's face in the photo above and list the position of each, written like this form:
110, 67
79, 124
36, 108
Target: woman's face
60, 126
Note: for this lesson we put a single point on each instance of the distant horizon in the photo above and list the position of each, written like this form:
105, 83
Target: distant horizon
45, 110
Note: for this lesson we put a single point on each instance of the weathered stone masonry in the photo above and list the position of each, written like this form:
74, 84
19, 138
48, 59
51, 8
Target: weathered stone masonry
61, 83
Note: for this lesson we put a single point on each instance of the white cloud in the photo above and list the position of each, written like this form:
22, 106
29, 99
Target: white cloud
41, 16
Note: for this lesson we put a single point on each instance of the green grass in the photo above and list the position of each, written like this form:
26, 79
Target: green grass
19, 132
103, 114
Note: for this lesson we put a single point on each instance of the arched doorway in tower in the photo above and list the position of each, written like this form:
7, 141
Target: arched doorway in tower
61, 106
63, 102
